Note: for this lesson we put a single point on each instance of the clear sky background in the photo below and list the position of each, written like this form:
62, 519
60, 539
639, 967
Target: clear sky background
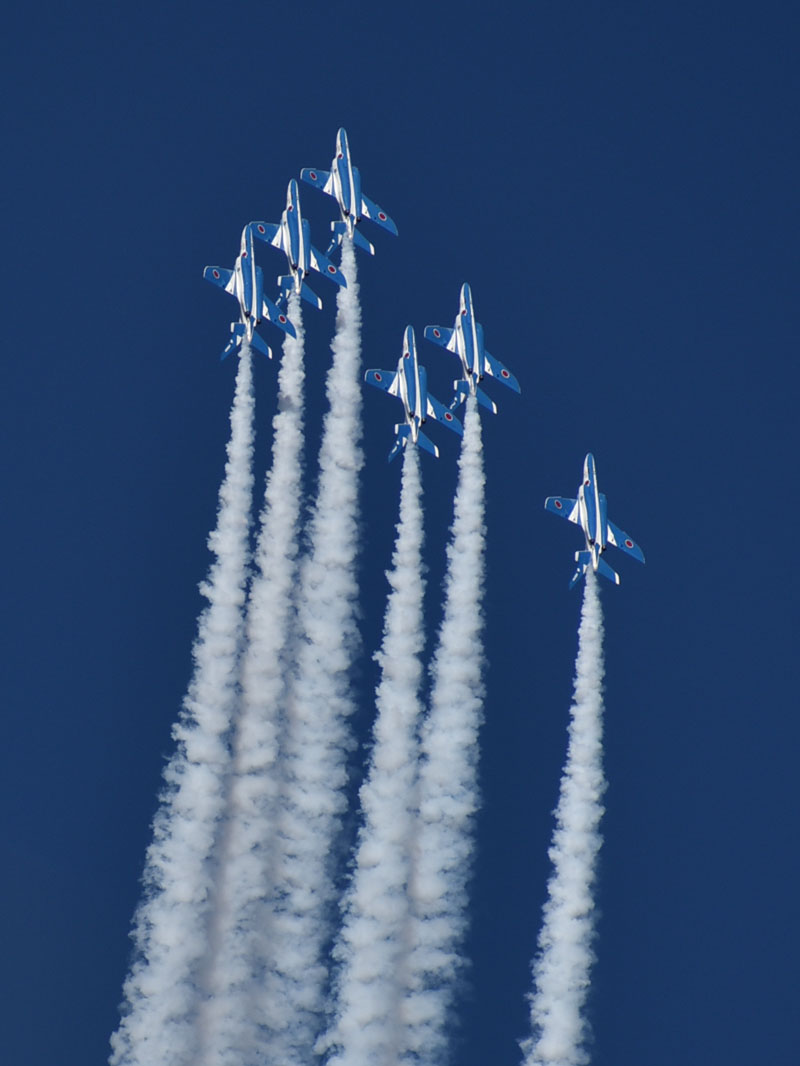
619, 184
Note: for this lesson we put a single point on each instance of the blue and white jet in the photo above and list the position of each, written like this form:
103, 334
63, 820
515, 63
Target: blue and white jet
466, 341
589, 511
343, 182
409, 384
246, 283
293, 236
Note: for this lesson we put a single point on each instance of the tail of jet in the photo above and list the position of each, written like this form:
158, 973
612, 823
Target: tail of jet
340, 232
286, 283
584, 561
238, 334
463, 390
403, 435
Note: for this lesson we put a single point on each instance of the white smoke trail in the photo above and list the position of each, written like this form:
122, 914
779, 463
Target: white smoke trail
162, 991
319, 703
373, 945
448, 790
235, 1016
561, 969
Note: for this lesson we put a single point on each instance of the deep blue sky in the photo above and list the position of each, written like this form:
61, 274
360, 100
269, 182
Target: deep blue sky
618, 183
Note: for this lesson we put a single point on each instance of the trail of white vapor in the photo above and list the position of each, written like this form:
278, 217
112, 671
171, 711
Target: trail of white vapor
163, 990
241, 947
561, 968
448, 789
318, 705
373, 945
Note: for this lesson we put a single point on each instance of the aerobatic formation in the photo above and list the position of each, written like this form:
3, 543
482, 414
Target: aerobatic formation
246, 948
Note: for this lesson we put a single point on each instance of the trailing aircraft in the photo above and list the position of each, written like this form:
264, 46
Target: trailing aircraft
466, 340
293, 236
409, 384
343, 182
589, 511
246, 283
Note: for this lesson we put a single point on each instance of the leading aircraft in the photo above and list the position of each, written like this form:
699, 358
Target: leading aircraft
589, 511
246, 283
466, 340
293, 236
409, 384
343, 181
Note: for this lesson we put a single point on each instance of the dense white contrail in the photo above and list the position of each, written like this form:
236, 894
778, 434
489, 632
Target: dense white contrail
448, 790
373, 946
319, 703
164, 987
561, 968
240, 941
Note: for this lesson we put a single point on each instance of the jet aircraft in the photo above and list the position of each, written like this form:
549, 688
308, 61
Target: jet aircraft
246, 283
409, 384
589, 511
466, 340
343, 181
292, 235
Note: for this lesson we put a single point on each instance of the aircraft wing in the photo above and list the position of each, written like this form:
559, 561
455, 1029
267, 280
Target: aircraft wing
442, 336
267, 231
437, 410
274, 314
323, 265
376, 214
501, 373
383, 379
219, 276
564, 507
320, 179
615, 536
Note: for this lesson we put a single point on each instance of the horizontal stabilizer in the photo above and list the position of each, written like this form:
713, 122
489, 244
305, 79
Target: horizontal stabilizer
376, 214
484, 401
237, 334
403, 434
261, 346
609, 574
621, 540
562, 506
584, 561
427, 444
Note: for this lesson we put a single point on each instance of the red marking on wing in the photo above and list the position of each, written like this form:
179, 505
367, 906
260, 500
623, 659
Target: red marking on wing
377, 376
261, 229
436, 333
282, 318
312, 175
628, 543
448, 417
505, 374
331, 269
216, 273
381, 216
558, 504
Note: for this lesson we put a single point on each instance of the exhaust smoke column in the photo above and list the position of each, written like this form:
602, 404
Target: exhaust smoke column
374, 942
318, 706
448, 787
164, 989
562, 966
